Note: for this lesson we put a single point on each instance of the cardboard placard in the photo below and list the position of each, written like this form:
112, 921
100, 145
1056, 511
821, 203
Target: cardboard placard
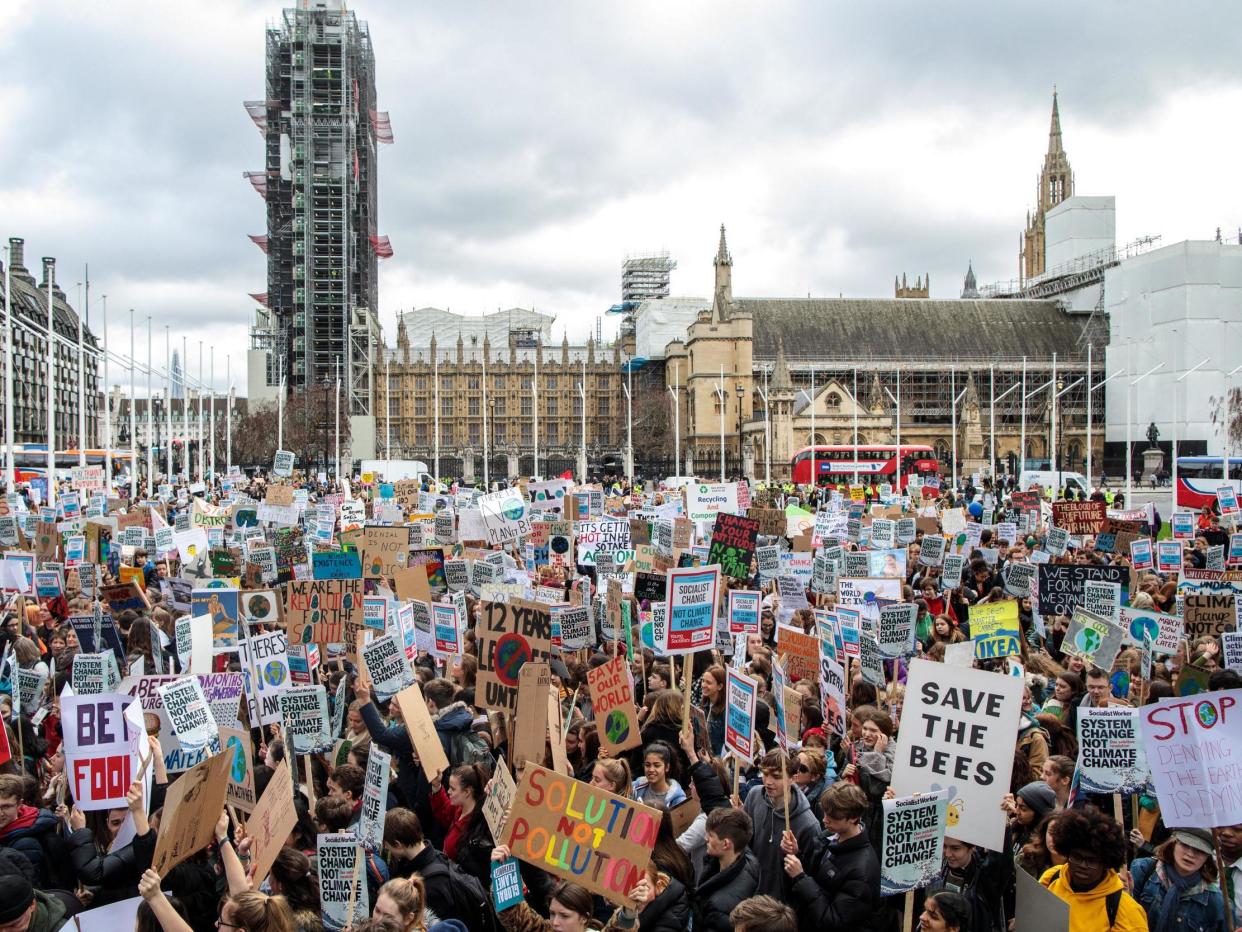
235, 745
422, 731
272, 821
510, 634
192, 806
612, 697
498, 797
548, 828
530, 727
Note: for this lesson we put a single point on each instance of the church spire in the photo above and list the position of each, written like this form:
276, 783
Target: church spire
1054, 131
722, 251
781, 382
723, 292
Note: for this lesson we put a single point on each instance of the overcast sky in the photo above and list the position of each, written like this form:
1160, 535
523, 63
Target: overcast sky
539, 143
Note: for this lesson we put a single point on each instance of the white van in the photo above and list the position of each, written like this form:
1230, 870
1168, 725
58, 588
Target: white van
1053, 479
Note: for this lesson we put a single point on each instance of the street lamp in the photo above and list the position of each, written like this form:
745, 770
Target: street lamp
1176, 413
741, 393
957, 396
723, 398
1224, 459
992, 417
1130, 433
675, 391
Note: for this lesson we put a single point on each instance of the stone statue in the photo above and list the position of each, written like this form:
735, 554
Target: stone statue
1153, 433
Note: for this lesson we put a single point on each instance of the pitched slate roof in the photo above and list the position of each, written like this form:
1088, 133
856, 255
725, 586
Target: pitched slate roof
893, 328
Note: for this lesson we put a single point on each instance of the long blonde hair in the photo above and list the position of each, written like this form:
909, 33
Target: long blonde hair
411, 898
258, 912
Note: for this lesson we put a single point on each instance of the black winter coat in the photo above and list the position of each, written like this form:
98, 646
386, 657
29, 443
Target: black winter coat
839, 888
721, 890
668, 912
116, 875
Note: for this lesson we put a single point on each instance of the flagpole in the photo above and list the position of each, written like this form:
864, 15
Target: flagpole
10, 472
49, 271
228, 417
211, 429
107, 397
150, 419
133, 417
82, 374
202, 473
169, 393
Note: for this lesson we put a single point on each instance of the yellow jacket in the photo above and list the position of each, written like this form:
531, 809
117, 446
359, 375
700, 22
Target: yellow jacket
1088, 911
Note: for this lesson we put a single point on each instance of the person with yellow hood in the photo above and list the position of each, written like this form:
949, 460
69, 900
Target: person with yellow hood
1094, 846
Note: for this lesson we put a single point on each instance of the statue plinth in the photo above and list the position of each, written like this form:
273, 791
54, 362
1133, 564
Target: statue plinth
1153, 463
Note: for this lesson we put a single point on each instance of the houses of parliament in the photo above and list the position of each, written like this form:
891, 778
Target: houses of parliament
756, 372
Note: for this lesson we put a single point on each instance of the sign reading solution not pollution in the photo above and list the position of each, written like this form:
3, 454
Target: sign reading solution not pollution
958, 731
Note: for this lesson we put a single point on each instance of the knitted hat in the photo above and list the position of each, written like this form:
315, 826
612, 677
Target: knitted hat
1040, 797
16, 895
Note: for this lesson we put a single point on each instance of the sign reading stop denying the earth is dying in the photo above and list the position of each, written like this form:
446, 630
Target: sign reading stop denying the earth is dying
612, 693
511, 633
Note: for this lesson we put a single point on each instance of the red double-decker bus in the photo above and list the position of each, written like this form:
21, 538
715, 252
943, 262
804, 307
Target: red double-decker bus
839, 463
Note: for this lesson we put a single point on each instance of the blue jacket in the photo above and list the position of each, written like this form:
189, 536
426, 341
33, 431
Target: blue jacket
1202, 907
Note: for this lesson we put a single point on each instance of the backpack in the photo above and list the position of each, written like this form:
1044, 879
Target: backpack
1112, 903
470, 899
468, 747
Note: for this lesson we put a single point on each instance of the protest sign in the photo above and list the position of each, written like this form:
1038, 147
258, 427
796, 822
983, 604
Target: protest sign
94, 674
800, 652
1164, 631
506, 884
325, 611
599, 536
995, 630
733, 545
1110, 756
191, 807
740, 693
1086, 517
374, 799
612, 696
505, 514
691, 598
387, 665
304, 710
271, 822
530, 724
1140, 554
931, 552
1096, 640
577, 630
1019, 579
744, 608
509, 634
1061, 584
445, 628
1169, 556
579, 832
951, 575
103, 738
1190, 743
1231, 649
1210, 615
422, 731
704, 502
913, 833
266, 673
235, 746
958, 728
498, 797
343, 892
895, 629
187, 710
1102, 599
